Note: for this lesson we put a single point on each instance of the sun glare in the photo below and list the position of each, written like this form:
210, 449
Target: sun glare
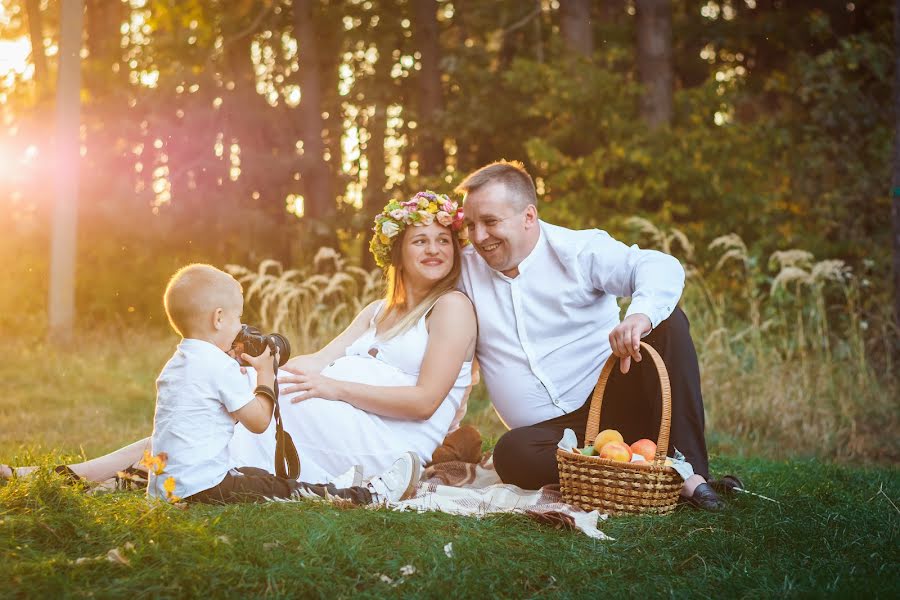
14, 55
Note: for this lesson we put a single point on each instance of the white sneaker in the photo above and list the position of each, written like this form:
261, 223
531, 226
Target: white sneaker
398, 482
353, 477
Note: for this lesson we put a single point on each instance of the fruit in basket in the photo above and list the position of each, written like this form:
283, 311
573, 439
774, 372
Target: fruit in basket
644, 447
606, 436
589, 451
616, 451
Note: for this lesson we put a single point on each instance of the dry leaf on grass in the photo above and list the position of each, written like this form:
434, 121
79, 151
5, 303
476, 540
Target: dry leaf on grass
117, 556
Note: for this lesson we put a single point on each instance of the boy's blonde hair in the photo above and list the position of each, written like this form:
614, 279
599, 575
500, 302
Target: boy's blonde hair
194, 292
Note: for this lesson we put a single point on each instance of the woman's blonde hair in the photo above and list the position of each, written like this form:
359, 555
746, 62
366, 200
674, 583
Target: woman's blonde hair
396, 295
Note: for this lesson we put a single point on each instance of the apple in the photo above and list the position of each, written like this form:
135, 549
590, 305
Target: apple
644, 447
616, 451
606, 436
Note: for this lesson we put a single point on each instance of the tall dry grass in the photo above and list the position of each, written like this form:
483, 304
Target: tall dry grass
792, 360
309, 305
795, 354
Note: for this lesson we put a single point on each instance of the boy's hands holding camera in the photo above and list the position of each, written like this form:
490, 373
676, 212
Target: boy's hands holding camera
264, 366
257, 414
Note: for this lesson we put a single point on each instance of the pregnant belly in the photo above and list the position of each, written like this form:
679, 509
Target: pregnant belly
368, 370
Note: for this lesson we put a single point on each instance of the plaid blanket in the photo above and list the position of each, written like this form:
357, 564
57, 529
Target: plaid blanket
459, 488
475, 490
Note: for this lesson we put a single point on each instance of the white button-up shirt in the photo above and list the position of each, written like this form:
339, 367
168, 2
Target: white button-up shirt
543, 336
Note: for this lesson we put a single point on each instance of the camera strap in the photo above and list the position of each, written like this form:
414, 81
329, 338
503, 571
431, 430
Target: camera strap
287, 460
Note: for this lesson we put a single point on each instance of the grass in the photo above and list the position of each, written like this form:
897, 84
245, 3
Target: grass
834, 533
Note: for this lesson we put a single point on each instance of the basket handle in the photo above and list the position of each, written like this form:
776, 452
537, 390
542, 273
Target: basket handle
593, 421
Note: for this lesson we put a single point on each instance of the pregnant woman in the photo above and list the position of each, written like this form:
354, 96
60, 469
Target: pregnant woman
394, 380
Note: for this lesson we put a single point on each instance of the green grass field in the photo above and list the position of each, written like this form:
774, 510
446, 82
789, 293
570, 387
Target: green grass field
833, 532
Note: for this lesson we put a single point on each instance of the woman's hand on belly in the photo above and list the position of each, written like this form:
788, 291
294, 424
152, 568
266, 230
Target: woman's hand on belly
309, 385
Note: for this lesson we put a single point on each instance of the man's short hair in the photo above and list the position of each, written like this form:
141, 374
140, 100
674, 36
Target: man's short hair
194, 292
511, 174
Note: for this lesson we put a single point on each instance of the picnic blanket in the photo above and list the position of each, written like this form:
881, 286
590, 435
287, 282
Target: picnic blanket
475, 489
462, 488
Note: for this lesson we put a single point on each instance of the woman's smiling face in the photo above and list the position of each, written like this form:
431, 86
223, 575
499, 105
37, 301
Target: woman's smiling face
427, 252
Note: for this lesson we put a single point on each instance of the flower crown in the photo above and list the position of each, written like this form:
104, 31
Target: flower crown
422, 209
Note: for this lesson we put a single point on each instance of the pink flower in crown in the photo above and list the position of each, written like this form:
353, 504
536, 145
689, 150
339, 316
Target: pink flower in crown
444, 218
398, 214
458, 219
448, 207
410, 203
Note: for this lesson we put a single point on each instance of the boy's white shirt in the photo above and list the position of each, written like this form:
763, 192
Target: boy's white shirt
196, 391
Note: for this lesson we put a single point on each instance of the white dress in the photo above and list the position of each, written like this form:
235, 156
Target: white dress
332, 436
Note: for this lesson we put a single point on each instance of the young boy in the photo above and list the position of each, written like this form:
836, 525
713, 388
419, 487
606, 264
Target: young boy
201, 392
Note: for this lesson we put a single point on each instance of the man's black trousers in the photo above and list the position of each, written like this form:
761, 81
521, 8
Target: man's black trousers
526, 456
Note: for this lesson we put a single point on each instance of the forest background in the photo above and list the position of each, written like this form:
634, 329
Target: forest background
752, 139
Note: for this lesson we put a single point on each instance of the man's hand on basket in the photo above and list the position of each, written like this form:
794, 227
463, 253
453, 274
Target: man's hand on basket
625, 339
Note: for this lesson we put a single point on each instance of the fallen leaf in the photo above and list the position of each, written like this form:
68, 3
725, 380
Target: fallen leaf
115, 556
223, 539
271, 545
385, 578
448, 549
407, 570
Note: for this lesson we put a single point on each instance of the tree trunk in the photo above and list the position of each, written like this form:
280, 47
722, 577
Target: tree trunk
314, 171
575, 25
104, 22
614, 11
36, 35
654, 60
895, 206
373, 196
61, 302
431, 100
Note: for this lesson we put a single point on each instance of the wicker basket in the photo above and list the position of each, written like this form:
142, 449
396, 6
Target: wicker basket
615, 487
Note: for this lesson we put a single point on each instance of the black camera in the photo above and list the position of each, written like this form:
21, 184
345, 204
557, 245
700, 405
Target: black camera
254, 342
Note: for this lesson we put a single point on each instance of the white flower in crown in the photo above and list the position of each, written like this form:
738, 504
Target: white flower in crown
390, 229
399, 214
426, 218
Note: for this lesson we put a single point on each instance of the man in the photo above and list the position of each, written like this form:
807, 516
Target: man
548, 320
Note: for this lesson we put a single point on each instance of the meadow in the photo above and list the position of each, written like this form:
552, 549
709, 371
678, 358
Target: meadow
797, 405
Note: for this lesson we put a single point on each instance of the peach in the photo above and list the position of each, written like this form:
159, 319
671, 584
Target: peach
606, 436
616, 451
644, 447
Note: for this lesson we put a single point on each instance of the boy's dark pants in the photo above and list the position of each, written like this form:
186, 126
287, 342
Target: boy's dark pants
526, 456
255, 485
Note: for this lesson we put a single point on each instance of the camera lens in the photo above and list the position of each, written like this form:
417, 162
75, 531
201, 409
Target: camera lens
284, 347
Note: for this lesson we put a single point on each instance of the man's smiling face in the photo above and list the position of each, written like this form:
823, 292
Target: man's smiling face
502, 232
